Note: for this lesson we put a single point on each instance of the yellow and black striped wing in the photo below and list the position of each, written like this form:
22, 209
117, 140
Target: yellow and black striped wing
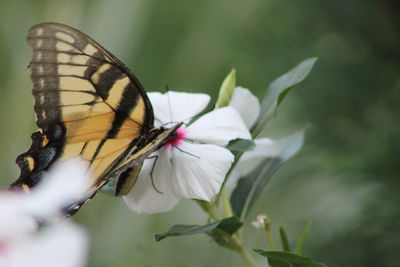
87, 104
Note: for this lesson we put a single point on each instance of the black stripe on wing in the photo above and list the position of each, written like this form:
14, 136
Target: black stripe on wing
78, 46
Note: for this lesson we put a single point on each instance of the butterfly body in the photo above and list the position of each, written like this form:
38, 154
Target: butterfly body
88, 105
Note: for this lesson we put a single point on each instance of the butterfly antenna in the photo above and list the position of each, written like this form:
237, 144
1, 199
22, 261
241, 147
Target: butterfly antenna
174, 122
183, 121
169, 104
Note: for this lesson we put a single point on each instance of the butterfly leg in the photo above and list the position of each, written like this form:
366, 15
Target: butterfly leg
183, 151
151, 173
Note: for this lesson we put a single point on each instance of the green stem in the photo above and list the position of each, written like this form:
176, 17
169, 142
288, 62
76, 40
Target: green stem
227, 204
210, 208
235, 241
244, 253
214, 213
270, 240
268, 231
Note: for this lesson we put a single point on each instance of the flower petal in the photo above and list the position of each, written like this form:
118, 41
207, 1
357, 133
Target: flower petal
18, 223
199, 170
282, 148
63, 245
177, 106
219, 127
144, 198
66, 183
265, 147
246, 104
233, 178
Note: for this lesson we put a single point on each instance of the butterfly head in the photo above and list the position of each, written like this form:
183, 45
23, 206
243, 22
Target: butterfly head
175, 138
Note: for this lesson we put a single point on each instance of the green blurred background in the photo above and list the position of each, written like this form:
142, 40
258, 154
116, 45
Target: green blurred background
346, 177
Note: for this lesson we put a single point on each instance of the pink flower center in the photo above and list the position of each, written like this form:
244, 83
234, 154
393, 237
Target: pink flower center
175, 139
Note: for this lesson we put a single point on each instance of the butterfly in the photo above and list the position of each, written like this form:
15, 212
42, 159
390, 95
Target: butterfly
88, 104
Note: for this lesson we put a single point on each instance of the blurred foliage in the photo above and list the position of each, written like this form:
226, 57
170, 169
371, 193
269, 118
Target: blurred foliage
345, 179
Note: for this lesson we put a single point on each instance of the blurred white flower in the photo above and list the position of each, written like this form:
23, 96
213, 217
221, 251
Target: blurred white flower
66, 183
260, 221
23, 242
62, 245
192, 165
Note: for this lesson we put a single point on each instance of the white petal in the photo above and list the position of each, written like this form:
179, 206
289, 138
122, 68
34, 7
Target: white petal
61, 245
66, 182
199, 174
177, 106
265, 147
234, 177
246, 104
18, 223
219, 127
144, 198
282, 148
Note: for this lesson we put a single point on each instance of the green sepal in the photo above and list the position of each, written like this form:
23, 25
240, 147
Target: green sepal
226, 90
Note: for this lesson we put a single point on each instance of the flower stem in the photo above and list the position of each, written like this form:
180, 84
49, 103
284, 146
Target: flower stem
214, 213
244, 253
227, 204
235, 241
210, 208
268, 231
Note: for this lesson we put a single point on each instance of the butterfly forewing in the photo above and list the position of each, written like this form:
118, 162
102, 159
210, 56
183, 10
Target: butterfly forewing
87, 104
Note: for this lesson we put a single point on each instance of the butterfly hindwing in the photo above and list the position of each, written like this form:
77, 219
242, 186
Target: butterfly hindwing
87, 104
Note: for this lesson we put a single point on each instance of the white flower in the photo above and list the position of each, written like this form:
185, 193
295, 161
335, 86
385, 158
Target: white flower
64, 244
246, 104
248, 107
260, 221
194, 164
66, 183
61, 245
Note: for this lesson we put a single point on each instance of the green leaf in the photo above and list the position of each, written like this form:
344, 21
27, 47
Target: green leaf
226, 90
287, 259
284, 239
240, 145
230, 225
302, 240
277, 91
227, 225
250, 187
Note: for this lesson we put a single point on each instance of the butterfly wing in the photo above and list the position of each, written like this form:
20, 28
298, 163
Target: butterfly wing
128, 171
87, 104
